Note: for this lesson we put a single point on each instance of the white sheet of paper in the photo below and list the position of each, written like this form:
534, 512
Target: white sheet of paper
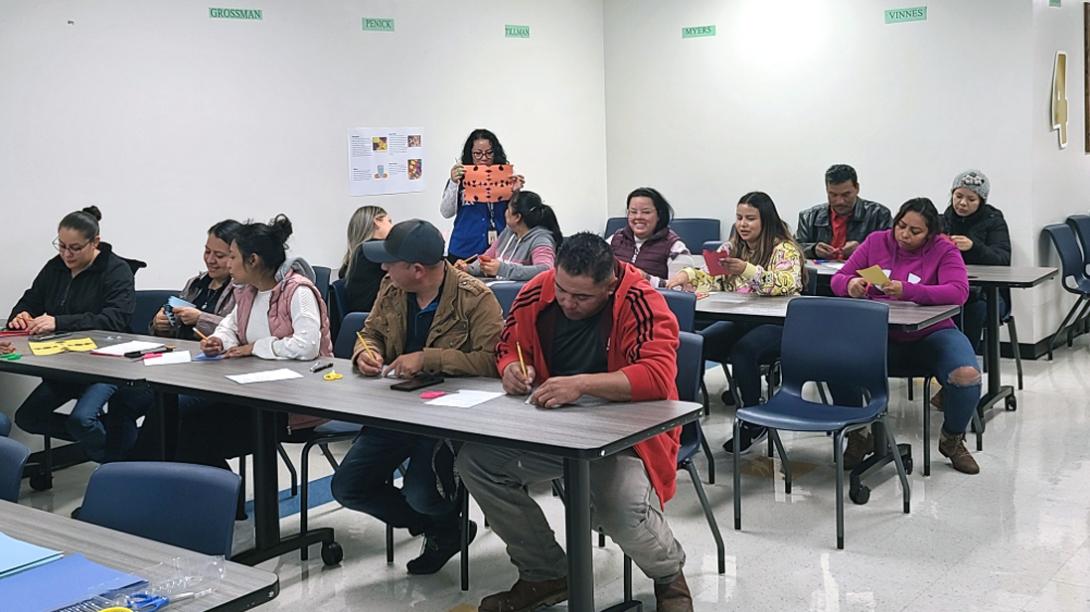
267, 376
464, 399
168, 359
119, 350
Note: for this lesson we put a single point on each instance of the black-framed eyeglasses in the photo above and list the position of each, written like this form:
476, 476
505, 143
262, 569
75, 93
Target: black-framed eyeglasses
482, 154
61, 247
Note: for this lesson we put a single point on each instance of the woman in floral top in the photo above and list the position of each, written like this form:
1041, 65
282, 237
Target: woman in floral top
761, 257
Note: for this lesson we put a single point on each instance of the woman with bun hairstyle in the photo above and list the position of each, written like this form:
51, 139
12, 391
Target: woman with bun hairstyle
86, 286
278, 314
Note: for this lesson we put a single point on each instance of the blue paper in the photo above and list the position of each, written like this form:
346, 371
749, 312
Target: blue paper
203, 357
17, 555
64, 582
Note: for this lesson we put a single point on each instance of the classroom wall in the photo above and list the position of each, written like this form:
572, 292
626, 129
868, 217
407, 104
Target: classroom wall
170, 121
788, 87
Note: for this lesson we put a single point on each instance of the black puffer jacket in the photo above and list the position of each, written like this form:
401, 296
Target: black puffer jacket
100, 297
988, 231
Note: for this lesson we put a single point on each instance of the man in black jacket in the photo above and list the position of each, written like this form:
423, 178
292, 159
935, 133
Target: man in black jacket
833, 230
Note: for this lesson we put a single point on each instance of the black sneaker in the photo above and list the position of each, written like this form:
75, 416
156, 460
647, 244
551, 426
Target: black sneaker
438, 548
750, 434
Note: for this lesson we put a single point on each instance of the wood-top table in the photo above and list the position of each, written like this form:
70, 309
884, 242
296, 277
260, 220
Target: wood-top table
242, 587
903, 316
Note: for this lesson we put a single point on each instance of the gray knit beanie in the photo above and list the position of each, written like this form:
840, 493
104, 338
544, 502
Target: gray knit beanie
975, 181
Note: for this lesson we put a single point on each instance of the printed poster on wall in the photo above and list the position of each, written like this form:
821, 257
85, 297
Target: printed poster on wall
385, 160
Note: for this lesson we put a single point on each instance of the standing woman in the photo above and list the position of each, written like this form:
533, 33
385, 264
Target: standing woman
476, 224
209, 291
763, 259
86, 286
526, 247
278, 314
647, 242
361, 276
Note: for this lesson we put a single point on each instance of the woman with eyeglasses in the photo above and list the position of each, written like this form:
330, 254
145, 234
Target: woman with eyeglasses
647, 241
86, 286
476, 224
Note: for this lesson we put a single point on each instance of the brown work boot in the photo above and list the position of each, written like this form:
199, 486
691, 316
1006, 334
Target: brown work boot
526, 596
673, 597
953, 448
936, 400
860, 444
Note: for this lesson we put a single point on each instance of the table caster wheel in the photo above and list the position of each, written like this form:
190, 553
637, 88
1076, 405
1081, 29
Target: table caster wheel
1012, 403
332, 553
859, 496
41, 482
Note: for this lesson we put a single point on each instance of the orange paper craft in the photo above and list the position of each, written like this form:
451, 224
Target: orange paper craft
488, 183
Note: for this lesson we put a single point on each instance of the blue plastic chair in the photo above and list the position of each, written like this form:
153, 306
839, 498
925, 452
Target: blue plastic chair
683, 305
338, 304
5, 424
613, 224
842, 343
322, 275
148, 303
182, 504
506, 292
13, 456
693, 231
1073, 276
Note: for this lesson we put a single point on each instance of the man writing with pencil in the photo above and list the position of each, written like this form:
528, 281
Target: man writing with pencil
428, 318
595, 327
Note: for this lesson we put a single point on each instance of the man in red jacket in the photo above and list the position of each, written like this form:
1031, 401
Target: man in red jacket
593, 326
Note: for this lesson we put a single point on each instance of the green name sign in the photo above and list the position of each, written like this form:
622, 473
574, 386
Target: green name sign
231, 13
902, 15
371, 24
698, 31
1055, 3
516, 31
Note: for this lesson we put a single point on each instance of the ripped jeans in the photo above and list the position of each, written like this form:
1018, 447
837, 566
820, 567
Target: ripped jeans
942, 353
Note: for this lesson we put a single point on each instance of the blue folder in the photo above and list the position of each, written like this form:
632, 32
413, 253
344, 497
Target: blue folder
17, 556
63, 582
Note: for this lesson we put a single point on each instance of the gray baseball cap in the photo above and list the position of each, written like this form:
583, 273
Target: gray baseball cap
413, 241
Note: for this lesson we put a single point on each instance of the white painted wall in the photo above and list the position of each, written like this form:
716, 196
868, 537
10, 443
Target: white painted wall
789, 87
171, 121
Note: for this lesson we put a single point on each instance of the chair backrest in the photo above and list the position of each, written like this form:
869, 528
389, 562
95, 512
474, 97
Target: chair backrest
683, 305
338, 290
321, 280
838, 341
1071, 258
810, 282
5, 424
613, 224
690, 370
1081, 225
694, 231
506, 292
346, 336
13, 456
710, 245
148, 303
182, 504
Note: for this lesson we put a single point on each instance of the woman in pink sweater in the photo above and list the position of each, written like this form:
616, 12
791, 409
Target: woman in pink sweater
926, 268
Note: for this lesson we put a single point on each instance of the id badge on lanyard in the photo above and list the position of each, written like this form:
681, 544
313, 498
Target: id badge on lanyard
491, 226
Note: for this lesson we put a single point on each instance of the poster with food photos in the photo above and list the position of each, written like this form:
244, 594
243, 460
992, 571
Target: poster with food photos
385, 160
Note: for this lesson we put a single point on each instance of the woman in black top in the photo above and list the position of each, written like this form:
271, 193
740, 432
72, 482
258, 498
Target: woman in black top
361, 276
86, 286
980, 233
210, 292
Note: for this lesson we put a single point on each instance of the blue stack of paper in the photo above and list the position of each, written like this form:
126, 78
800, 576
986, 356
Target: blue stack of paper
17, 555
61, 583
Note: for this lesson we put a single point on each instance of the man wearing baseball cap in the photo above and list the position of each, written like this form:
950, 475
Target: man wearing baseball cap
428, 317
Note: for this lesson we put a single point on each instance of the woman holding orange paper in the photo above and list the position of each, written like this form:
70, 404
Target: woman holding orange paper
476, 224
761, 258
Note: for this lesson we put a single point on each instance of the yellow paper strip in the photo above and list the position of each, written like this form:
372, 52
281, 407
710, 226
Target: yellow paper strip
79, 345
41, 349
874, 275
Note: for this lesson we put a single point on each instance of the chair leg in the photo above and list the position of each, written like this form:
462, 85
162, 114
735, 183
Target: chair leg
329, 456
463, 498
821, 393
304, 498
601, 539
720, 550
927, 426
775, 437
627, 579
389, 543
711, 459
838, 455
909, 380
704, 397
906, 491
242, 474
1063, 324
737, 481
291, 469
1016, 349
978, 428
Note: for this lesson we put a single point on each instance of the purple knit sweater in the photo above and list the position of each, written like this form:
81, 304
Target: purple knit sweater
934, 274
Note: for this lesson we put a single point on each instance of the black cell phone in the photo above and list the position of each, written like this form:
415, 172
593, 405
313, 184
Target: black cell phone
417, 382
44, 337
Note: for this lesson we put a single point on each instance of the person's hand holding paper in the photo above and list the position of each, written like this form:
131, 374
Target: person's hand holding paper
877, 277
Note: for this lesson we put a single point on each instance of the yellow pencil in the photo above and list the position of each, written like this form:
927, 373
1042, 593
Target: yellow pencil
198, 332
366, 347
522, 362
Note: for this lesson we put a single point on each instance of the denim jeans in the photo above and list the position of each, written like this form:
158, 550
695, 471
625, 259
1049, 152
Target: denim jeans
85, 425
939, 353
363, 482
746, 347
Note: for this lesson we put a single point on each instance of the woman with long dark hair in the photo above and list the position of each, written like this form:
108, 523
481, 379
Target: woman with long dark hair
526, 247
